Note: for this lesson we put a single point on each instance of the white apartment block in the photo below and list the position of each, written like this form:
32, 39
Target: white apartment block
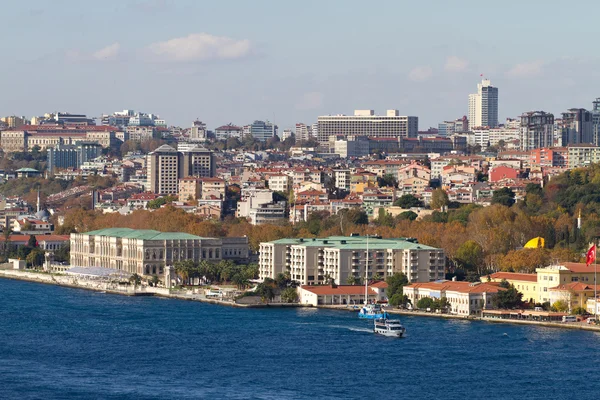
280, 183
366, 123
312, 261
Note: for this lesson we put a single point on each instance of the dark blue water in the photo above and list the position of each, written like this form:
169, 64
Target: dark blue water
60, 343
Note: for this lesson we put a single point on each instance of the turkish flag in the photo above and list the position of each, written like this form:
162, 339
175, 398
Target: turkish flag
591, 255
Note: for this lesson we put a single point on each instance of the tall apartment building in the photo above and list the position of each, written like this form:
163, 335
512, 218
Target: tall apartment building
163, 170
576, 127
596, 121
366, 123
261, 130
483, 106
537, 130
312, 261
166, 166
72, 155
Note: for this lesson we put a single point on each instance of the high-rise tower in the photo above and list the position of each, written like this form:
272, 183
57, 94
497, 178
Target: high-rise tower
483, 106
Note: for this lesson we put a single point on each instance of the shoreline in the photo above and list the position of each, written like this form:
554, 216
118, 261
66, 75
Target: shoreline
70, 281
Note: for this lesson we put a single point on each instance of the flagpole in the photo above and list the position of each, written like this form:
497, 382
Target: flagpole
595, 286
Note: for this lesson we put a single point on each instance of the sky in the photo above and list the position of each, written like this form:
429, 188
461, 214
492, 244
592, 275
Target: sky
290, 61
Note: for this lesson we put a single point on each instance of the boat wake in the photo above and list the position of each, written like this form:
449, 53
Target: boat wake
350, 328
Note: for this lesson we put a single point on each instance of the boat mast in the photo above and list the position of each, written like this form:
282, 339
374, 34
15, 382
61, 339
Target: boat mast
367, 272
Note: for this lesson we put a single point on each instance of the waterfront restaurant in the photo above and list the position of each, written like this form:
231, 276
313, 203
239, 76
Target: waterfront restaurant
334, 295
529, 315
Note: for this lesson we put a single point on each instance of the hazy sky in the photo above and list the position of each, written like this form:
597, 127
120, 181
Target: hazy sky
289, 61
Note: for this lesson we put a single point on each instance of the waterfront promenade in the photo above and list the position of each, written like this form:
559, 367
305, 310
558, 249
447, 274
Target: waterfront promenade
197, 294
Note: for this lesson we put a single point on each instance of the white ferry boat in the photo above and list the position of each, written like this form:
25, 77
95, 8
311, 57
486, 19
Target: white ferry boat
389, 327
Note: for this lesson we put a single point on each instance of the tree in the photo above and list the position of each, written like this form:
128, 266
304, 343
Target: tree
560, 306
504, 196
469, 255
398, 299
407, 215
578, 311
266, 290
388, 180
425, 303
509, 298
135, 279
439, 199
353, 280
62, 254
289, 295
395, 284
407, 201
35, 258
154, 281
32, 242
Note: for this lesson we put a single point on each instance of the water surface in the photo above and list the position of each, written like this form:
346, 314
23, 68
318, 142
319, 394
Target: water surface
62, 343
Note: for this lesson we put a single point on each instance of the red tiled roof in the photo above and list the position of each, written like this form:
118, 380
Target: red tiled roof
514, 276
462, 287
578, 267
575, 286
39, 238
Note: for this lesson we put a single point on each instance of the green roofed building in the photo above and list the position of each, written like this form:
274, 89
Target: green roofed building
314, 261
147, 252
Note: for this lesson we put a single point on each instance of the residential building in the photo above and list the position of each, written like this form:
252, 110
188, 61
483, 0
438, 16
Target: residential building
261, 130
163, 170
190, 188
303, 132
483, 106
582, 155
280, 183
226, 131
271, 213
342, 178
577, 127
366, 123
64, 156
147, 252
351, 146
313, 261
32, 226
465, 298
198, 131
537, 130
549, 157
214, 188
141, 133
596, 122
166, 165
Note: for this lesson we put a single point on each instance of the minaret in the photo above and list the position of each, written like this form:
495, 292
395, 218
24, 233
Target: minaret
579, 221
38, 201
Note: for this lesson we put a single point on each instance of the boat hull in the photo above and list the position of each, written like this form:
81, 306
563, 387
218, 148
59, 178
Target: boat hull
371, 316
388, 333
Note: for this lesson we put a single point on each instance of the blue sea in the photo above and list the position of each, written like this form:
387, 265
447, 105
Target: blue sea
62, 343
